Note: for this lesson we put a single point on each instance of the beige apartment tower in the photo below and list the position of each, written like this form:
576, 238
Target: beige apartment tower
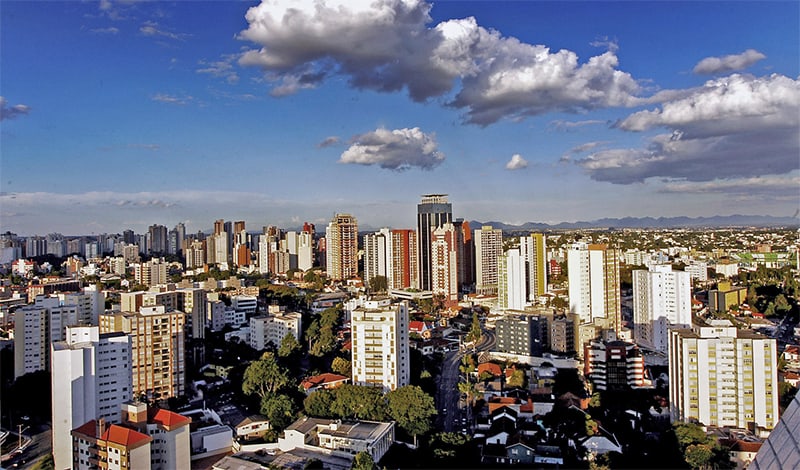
380, 346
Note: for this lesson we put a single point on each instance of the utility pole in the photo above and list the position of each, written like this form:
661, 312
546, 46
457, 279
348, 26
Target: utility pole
19, 434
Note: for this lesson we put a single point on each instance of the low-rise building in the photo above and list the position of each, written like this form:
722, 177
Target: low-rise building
343, 438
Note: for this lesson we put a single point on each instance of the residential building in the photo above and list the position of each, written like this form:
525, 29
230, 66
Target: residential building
341, 438
488, 248
594, 293
433, 211
725, 297
465, 254
511, 281
614, 365
215, 311
563, 333
91, 378
342, 247
245, 303
157, 349
697, 270
721, 376
404, 271
443, 262
662, 297
533, 249
521, 334
266, 329
378, 257
380, 353
35, 327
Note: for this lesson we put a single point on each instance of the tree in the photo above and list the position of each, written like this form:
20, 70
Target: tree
289, 346
319, 404
378, 284
517, 379
698, 455
341, 366
474, 332
359, 402
363, 461
279, 410
412, 408
264, 376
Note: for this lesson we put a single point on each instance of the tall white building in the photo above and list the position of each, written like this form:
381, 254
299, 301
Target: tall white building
342, 247
378, 255
661, 298
305, 251
380, 346
721, 376
488, 247
511, 281
594, 295
35, 327
91, 378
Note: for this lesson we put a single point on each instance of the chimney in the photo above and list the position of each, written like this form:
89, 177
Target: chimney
100, 427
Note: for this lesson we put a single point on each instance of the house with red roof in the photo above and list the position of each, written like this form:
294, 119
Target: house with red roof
323, 381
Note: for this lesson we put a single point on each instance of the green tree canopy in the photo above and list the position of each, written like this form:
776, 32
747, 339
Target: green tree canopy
359, 402
341, 366
279, 409
412, 408
319, 404
378, 284
289, 346
264, 376
363, 461
698, 455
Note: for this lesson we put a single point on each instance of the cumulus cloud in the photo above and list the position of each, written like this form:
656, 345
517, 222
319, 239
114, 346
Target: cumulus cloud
172, 99
732, 127
10, 112
328, 142
516, 162
784, 184
398, 150
728, 63
562, 125
387, 46
109, 30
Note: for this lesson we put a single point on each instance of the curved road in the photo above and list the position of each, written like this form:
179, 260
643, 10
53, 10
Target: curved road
447, 395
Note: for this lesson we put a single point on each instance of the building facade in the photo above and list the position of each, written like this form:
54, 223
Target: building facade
342, 247
444, 262
511, 281
488, 248
534, 251
525, 335
380, 354
433, 211
594, 293
721, 376
662, 298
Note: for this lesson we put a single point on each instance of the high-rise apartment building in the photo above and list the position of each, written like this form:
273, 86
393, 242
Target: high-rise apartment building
35, 327
511, 281
380, 346
444, 262
534, 250
488, 247
594, 293
157, 349
378, 255
91, 378
305, 251
721, 376
158, 239
521, 334
342, 247
404, 272
662, 298
272, 328
465, 251
614, 365
433, 211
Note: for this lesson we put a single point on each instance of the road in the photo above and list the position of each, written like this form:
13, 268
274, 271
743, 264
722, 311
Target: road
38, 446
447, 396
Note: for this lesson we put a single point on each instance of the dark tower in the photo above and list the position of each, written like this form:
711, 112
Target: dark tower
433, 212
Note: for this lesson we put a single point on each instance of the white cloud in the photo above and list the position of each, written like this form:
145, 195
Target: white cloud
788, 185
516, 162
728, 63
562, 125
109, 30
387, 46
733, 127
10, 112
222, 68
151, 28
398, 150
171, 99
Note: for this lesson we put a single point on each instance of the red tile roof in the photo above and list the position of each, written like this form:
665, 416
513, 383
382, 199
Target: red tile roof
126, 437
321, 379
169, 420
489, 367
87, 429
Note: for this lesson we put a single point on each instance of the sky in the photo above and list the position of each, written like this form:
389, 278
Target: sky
120, 115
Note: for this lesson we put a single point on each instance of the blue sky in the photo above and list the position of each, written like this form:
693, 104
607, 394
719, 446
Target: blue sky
120, 115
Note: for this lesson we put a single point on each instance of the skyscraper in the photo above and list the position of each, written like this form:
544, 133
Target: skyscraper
342, 247
594, 294
511, 280
380, 346
721, 376
488, 247
405, 270
432, 212
465, 249
377, 255
91, 378
662, 298
158, 239
534, 250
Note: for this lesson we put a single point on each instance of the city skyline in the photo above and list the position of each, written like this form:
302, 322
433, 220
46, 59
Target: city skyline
122, 115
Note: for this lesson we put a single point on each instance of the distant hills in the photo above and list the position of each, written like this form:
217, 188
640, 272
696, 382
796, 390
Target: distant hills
717, 221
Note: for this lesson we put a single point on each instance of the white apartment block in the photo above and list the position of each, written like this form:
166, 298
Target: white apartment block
245, 303
305, 251
380, 354
533, 249
511, 281
721, 376
488, 247
35, 327
215, 314
594, 293
378, 255
341, 251
661, 298
444, 262
697, 270
91, 378
234, 317
268, 329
